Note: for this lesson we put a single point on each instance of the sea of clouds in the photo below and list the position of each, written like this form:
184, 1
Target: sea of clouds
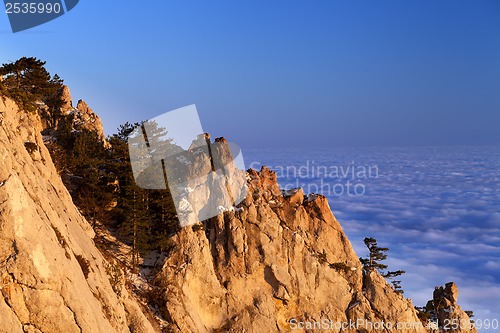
437, 209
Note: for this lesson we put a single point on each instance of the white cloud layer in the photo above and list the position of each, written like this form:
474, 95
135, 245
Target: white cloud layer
436, 209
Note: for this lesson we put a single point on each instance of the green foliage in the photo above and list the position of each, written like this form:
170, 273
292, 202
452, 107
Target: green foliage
322, 257
84, 160
340, 266
393, 274
377, 254
124, 131
143, 218
396, 285
423, 315
27, 82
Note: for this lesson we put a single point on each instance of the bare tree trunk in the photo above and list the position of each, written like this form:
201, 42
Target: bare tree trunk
162, 203
134, 227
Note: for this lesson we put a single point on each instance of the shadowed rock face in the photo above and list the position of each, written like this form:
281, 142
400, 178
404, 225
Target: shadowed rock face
52, 277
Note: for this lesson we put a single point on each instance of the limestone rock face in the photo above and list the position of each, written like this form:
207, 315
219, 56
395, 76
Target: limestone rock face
52, 277
81, 118
85, 118
67, 100
448, 292
389, 306
276, 260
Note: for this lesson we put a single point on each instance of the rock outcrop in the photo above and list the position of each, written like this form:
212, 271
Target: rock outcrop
52, 277
85, 118
67, 101
80, 117
443, 309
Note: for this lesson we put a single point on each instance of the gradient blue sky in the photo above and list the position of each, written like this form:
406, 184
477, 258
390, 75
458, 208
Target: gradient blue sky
284, 73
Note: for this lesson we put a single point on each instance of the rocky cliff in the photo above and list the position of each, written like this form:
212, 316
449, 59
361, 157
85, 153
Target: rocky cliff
52, 277
81, 117
278, 262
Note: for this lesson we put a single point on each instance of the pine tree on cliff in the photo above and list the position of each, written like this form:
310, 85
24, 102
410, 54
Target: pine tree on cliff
396, 285
132, 210
146, 217
27, 82
136, 226
164, 216
87, 162
377, 254
393, 274
164, 221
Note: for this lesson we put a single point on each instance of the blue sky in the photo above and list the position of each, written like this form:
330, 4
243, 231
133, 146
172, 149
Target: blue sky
284, 73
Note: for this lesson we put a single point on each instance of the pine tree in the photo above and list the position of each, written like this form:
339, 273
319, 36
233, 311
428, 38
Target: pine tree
393, 274
396, 285
147, 214
164, 221
376, 254
86, 163
124, 131
135, 226
133, 201
27, 82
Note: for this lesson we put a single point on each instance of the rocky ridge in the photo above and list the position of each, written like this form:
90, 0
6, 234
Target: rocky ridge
81, 117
